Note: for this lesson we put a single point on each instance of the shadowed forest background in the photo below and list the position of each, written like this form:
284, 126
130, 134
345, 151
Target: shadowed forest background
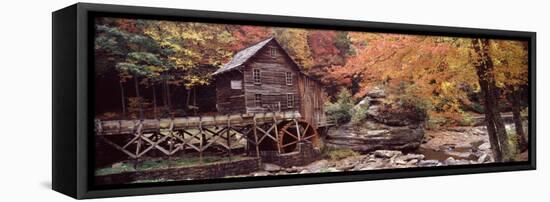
154, 69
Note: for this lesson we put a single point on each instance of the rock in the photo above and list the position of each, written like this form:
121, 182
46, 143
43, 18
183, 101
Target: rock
464, 154
261, 173
428, 163
462, 162
377, 92
271, 167
475, 144
364, 101
377, 132
316, 166
413, 161
477, 131
379, 137
484, 146
450, 161
405, 159
400, 161
293, 169
388, 126
346, 167
372, 111
386, 153
483, 158
409, 157
458, 129
304, 172
371, 165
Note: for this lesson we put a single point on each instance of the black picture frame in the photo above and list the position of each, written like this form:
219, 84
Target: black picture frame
72, 125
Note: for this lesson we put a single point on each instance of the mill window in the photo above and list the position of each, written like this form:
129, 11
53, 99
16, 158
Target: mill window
290, 101
288, 77
256, 76
258, 100
273, 52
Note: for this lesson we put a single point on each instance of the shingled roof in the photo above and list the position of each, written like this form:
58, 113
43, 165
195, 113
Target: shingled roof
242, 56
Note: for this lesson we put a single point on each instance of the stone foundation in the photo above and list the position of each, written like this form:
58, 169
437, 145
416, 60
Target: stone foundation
207, 171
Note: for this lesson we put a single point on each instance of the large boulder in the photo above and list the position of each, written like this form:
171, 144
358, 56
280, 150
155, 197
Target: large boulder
387, 127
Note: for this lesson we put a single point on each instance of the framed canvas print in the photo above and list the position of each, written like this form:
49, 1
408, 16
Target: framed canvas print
154, 100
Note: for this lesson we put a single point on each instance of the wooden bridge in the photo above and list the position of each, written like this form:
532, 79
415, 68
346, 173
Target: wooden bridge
275, 131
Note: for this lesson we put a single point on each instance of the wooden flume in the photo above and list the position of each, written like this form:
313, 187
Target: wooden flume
282, 130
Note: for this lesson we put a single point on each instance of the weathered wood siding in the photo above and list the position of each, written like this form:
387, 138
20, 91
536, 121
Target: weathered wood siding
313, 98
273, 86
229, 100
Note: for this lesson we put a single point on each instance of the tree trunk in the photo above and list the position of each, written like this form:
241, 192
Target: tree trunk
188, 98
123, 104
154, 100
169, 99
195, 101
136, 85
499, 123
516, 111
489, 120
165, 98
495, 126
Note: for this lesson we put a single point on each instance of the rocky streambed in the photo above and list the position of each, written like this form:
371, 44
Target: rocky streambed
453, 146
393, 137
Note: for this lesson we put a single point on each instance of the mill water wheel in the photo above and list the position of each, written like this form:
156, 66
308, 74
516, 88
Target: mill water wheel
295, 131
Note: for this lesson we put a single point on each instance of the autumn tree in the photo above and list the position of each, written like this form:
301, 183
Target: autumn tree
495, 127
246, 35
187, 47
119, 40
510, 59
295, 42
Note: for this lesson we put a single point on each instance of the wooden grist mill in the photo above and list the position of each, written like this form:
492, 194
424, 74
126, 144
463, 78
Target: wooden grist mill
264, 105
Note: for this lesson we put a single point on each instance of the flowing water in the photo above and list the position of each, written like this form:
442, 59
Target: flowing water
441, 155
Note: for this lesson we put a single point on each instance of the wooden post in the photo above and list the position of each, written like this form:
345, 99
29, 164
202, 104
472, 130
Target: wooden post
138, 131
257, 143
170, 142
182, 143
201, 140
276, 133
229, 137
298, 130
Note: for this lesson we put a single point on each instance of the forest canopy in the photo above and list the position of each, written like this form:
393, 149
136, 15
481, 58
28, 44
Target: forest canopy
434, 73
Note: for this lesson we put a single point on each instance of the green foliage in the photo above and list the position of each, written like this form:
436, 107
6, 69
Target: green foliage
343, 43
512, 138
340, 110
467, 119
435, 122
407, 98
359, 114
141, 64
477, 107
338, 153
